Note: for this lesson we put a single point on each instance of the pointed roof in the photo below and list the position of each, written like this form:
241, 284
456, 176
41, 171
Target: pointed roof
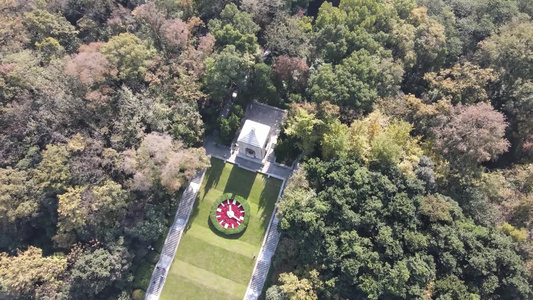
253, 133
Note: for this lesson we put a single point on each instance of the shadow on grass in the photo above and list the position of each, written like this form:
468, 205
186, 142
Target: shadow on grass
267, 199
226, 236
194, 213
212, 176
240, 182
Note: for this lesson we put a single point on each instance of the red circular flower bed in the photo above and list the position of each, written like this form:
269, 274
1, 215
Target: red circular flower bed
230, 213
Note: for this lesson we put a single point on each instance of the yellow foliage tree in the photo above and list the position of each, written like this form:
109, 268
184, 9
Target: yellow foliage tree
20, 275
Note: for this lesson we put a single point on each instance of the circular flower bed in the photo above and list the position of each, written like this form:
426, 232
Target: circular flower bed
230, 214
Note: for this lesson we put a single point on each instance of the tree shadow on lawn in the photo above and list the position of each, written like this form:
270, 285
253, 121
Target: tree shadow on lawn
194, 213
240, 182
212, 175
267, 200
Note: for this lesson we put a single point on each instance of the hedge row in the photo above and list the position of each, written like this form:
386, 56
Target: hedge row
213, 214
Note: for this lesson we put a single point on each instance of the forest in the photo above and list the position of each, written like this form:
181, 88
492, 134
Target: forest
411, 121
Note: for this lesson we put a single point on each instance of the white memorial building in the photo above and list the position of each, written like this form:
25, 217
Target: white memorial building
254, 140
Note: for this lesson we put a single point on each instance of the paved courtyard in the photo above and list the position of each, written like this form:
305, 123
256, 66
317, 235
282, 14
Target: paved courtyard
270, 168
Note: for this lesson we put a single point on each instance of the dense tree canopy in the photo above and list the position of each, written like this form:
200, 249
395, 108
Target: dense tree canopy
357, 82
381, 236
411, 120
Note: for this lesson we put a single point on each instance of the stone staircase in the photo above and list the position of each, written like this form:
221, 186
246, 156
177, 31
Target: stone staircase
264, 261
168, 252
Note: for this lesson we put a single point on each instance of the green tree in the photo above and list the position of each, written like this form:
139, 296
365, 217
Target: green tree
335, 140
129, 55
94, 270
262, 87
304, 127
235, 27
42, 24
289, 35
357, 82
227, 69
229, 126
133, 117
150, 228
375, 235
53, 172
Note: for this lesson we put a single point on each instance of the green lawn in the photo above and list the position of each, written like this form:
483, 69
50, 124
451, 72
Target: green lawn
209, 265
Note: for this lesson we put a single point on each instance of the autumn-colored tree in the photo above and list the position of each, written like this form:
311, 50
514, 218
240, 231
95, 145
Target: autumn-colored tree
73, 214
89, 65
295, 288
20, 275
436, 208
379, 139
175, 33
292, 71
20, 201
464, 83
13, 33
263, 11
520, 107
335, 140
120, 20
509, 52
16, 196
150, 15
471, 134
162, 160
430, 40
100, 206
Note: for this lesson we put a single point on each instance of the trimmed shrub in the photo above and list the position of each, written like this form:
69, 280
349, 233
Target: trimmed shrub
138, 294
213, 214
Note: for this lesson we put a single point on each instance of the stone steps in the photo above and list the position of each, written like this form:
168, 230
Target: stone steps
173, 237
262, 267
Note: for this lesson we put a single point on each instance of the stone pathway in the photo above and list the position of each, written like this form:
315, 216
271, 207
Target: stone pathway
168, 252
264, 260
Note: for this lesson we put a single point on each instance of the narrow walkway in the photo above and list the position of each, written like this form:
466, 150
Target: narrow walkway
168, 252
264, 260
